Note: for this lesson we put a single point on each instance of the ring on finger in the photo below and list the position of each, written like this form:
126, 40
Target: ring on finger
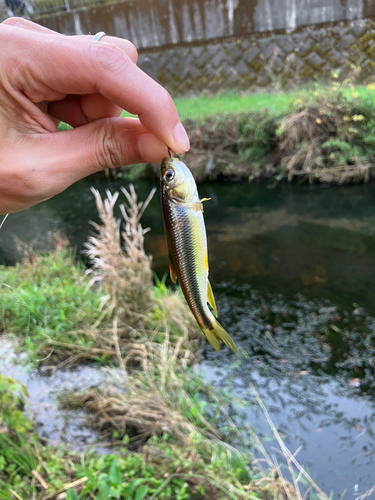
98, 36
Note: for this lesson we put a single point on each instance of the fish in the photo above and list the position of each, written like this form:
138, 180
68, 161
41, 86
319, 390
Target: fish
187, 246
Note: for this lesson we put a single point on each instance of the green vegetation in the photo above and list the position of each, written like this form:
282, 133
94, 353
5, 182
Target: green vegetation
29, 469
274, 103
46, 300
324, 134
11, 398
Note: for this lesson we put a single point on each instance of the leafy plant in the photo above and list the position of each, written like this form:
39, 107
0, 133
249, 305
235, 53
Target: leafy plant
12, 394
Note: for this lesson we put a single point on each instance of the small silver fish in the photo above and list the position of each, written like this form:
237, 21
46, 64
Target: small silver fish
187, 246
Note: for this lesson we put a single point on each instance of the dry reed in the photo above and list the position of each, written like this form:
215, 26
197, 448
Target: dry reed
123, 270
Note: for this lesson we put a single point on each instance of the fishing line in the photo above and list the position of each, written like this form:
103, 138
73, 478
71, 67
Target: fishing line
2, 222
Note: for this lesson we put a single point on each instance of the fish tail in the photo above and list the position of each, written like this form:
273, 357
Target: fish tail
217, 332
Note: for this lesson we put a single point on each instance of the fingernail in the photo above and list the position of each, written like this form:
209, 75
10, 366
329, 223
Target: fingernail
151, 148
181, 137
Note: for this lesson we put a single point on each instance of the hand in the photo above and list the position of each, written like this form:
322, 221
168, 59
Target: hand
45, 78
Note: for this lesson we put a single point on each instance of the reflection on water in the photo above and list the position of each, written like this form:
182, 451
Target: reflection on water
293, 269
57, 424
305, 359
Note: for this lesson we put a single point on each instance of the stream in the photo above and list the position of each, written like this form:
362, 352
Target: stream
293, 272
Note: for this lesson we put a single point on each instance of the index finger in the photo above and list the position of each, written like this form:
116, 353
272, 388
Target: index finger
72, 65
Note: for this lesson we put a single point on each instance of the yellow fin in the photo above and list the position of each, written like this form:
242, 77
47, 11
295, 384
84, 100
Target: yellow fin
212, 339
211, 298
218, 332
205, 199
172, 272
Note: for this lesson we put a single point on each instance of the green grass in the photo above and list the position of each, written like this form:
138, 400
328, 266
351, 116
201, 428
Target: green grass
275, 103
47, 298
199, 108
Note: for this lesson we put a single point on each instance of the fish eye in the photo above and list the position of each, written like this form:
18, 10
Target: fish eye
169, 175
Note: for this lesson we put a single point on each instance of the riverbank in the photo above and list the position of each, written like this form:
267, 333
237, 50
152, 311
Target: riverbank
172, 435
316, 134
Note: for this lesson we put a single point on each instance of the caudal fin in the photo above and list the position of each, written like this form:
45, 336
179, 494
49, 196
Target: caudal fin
217, 332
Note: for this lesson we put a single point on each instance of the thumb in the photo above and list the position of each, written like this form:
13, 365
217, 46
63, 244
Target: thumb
38, 166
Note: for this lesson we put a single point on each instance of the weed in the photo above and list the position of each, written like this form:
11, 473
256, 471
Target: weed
12, 394
46, 299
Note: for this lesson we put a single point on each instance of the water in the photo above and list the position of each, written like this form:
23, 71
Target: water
54, 422
293, 270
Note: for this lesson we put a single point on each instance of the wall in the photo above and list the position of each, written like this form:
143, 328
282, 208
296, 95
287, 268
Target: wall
156, 23
262, 60
193, 45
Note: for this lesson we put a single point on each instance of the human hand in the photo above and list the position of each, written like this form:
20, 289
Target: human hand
45, 78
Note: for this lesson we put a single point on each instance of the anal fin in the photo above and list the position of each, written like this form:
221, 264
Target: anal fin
211, 298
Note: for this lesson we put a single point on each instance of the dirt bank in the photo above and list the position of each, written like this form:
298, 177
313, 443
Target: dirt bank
328, 140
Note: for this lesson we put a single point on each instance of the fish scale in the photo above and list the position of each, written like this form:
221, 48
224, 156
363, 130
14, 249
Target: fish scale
184, 242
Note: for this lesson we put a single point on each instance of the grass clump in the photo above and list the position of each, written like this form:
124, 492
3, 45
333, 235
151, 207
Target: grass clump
140, 313
331, 140
46, 299
166, 412
325, 135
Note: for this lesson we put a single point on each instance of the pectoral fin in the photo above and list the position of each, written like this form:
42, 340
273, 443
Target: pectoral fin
211, 298
172, 272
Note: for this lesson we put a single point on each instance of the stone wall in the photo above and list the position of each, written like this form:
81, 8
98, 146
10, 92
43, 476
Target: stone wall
194, 45
278, 59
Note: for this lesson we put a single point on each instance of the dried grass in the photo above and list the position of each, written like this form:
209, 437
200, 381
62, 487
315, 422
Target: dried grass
298, 475
301, 141
155, 403
149, 402
123, 270
302, 153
